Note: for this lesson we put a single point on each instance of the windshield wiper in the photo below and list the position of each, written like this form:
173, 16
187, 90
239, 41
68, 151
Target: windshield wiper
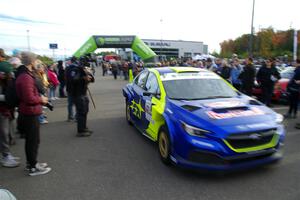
179, 99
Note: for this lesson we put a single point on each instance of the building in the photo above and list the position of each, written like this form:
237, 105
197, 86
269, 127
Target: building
177, 48
172, 48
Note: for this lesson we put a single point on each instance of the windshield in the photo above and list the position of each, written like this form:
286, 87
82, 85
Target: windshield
196, 89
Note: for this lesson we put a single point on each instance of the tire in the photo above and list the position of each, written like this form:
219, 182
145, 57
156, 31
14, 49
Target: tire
164, 146
128, 118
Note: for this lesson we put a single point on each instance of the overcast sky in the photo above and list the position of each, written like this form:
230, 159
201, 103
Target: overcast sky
70, 23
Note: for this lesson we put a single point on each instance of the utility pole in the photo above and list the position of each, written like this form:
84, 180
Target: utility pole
252, 32
295, 45
161, 22
65, 56
28, 41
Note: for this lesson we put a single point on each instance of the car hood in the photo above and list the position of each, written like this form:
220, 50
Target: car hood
225, 116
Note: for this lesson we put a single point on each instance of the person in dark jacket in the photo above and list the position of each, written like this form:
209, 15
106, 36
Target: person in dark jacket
68, 81
61, 79
247, 77
30, 107
79, 78
6, 69
293, 88
266, 77
114, 69
225, 71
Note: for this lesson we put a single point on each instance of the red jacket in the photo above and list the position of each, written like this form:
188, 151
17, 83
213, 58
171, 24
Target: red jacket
30, 100
53, 78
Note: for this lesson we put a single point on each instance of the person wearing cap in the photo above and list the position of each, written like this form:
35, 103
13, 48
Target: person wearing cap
6, 70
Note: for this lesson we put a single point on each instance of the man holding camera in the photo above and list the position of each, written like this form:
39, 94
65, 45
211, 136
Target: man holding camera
79, 78
6, 69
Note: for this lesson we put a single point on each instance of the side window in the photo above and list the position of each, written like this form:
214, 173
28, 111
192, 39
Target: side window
152, 84
141, 79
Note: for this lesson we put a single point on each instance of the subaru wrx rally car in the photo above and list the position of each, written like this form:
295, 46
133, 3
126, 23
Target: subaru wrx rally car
200, 121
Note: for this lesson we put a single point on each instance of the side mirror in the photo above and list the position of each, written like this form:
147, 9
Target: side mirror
147, 94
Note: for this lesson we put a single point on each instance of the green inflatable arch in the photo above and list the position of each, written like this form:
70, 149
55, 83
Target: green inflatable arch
104, 41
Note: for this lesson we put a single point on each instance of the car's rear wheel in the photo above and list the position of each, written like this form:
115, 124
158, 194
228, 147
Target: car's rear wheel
164, 146
128, 117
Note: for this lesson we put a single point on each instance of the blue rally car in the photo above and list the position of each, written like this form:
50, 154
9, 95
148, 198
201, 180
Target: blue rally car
200, 121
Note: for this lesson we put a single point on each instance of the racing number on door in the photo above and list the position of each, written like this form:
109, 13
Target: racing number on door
137, 109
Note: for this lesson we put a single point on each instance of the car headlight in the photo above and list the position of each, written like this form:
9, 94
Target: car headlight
191, 130
279, 118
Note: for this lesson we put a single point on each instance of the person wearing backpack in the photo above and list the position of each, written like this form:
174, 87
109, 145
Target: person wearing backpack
69, 85
6, 71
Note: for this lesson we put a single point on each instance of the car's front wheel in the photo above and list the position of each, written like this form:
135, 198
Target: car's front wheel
164, 146
128, 117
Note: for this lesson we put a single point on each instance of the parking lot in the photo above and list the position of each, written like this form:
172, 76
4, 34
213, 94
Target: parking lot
117, 162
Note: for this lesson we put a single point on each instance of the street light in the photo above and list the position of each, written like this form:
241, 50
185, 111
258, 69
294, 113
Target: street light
295, 45
161, 37
28, 40
252, 32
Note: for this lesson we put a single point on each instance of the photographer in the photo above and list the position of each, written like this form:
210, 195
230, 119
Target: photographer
6, 69
79, 77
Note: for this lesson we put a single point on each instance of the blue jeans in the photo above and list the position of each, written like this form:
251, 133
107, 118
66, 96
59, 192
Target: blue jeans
41, 118
52, 92
4, 135
70, 107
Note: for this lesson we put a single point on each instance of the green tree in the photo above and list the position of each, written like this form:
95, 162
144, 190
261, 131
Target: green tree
46, 60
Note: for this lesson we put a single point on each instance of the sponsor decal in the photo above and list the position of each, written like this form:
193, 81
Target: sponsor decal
182, 76
143, 49
137, 109
85, 48
101, 41
224, 104
148, 111
235, 113
158, 44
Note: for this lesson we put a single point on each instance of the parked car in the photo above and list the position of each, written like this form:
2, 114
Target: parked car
280, 93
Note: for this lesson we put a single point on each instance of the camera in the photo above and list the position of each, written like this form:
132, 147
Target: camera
49, 106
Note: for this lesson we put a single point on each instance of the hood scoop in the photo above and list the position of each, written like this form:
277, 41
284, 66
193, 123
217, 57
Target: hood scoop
255, 102
190, 107
223, 110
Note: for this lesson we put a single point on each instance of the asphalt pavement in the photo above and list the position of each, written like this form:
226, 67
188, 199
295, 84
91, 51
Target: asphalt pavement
117, 162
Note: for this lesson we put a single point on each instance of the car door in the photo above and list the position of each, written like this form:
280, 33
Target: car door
136, 104
152, 91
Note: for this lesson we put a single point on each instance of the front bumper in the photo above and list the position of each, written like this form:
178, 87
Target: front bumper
213, 162
208, 154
